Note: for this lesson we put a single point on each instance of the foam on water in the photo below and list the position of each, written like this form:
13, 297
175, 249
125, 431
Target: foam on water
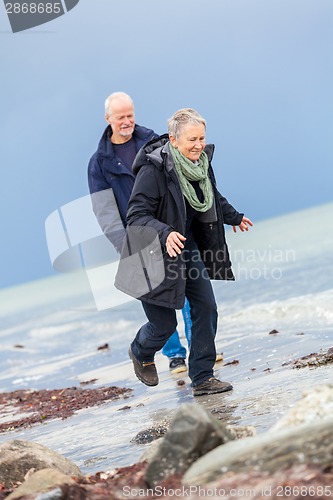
312, 311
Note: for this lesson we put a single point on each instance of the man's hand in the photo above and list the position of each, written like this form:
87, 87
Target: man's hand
174, 243
244, 225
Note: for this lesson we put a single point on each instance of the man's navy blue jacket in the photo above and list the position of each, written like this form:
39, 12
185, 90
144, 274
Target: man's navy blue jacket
107, 171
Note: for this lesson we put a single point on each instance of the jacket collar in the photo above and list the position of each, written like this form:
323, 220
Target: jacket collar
157, 151
105, 146
151, 152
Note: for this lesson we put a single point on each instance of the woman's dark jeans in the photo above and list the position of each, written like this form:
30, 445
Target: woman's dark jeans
162, 322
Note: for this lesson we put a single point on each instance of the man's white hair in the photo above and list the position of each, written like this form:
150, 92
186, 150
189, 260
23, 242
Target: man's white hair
113, 97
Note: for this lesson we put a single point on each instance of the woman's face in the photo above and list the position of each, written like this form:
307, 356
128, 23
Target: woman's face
191, 141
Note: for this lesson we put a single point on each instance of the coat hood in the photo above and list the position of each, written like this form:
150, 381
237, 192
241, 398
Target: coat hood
156, 150
151, 152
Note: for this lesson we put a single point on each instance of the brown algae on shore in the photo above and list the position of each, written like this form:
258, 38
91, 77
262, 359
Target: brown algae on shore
38, 406
313, 360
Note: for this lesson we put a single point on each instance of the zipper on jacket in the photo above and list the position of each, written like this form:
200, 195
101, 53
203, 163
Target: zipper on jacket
178, 189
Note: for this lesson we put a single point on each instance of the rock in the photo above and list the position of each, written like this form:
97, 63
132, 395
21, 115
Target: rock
17, 457
241, 431
315, 404
40, 482
192, 433
313, 360
309, 444
149, 435
299, 481
238, 432
150, 451
156, 431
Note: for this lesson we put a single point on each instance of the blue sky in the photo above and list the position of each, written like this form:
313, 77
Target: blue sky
259, 71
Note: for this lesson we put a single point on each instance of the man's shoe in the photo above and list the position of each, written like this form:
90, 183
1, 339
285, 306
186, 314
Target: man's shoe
219, 357
211, 386
177, 365
145, 371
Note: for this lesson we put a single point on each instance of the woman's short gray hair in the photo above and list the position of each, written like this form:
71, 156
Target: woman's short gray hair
184, 117
113, 97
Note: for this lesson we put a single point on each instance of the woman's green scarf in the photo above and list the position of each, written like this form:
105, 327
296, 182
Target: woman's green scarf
189, 171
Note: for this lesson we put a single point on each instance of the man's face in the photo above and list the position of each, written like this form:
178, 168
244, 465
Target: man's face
122, 120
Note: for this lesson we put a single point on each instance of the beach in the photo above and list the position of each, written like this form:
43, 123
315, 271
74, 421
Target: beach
52, 335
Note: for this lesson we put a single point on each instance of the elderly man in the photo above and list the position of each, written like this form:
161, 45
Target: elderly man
110, 175
111, 165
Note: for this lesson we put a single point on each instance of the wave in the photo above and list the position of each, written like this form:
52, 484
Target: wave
303, 312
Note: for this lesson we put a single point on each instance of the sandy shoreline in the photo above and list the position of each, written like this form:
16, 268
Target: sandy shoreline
264, 389
262, 399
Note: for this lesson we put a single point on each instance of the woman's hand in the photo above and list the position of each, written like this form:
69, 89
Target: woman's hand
174, 243
244, 225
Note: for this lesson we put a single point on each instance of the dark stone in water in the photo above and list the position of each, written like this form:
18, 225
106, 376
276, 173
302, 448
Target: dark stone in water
149, 435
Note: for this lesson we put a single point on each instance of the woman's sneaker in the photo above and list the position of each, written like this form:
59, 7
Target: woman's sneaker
211, 386
177, 365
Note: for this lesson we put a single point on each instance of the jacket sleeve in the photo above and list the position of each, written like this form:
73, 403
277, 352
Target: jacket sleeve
230, 214
104, 204
144, 203
96, 178
107, 214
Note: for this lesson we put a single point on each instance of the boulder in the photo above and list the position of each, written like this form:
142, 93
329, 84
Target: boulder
298, 482
192, 433
150, 451
42, 481
308, 444
17, 457
315, 404
238, 432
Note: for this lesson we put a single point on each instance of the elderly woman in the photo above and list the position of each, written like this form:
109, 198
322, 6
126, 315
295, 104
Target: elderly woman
175, 196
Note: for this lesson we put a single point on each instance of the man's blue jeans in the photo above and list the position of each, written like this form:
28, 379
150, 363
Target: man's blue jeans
173, 348
162, 322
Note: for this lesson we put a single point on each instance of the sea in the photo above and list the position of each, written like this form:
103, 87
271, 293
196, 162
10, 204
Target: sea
51, 330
